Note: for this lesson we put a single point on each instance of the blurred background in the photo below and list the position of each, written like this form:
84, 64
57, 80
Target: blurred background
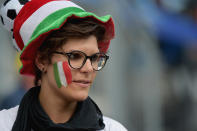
150, 81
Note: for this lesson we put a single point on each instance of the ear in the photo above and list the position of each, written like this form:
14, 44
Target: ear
41, 64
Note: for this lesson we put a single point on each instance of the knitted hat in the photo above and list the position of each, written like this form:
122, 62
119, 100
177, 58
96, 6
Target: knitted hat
37, 18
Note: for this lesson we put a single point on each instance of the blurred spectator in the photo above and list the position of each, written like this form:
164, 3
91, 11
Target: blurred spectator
181, 69
15, 97
24, 83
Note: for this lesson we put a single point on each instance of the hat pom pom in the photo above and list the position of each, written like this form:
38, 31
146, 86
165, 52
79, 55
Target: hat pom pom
8, 12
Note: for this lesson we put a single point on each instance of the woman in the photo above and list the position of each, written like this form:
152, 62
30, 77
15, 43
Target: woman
64, 47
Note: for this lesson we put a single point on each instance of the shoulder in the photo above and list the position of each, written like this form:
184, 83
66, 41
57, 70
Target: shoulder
7, 118
113, 125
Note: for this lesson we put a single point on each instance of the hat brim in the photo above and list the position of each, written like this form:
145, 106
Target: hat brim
27, 56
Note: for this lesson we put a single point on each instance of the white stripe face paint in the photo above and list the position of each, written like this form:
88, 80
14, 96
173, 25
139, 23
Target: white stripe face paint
39, 15
61, 74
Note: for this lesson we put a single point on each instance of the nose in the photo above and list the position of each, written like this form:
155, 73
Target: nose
87, 67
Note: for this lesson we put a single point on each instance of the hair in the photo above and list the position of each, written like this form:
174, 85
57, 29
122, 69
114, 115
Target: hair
75, 28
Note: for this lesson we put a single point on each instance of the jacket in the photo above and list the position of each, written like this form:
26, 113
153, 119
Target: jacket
7, 118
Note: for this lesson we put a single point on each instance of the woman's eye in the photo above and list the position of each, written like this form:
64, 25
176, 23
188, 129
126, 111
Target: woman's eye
95, 57
75, 56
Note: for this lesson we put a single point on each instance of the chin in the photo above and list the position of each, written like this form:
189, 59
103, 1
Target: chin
81, 97
77, 93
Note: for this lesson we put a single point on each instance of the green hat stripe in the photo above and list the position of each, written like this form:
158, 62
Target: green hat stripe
52, 21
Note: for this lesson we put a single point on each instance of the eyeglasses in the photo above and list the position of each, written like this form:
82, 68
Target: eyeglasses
77, 59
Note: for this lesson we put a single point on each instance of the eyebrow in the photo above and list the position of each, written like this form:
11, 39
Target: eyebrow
82, 51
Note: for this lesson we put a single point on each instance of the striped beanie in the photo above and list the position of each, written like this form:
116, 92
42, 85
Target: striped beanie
33, 20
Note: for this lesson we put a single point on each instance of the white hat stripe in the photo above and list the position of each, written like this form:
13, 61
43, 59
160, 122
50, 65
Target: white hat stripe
39, 15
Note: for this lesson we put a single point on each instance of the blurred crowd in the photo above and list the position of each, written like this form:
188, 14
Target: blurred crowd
150, 81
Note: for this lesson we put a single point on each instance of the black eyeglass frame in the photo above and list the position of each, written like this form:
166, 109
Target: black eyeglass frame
68, 55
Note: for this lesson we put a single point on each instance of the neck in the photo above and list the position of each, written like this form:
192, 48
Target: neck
60, 110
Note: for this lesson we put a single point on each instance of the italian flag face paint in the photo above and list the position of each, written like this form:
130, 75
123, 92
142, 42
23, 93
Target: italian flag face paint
62, 73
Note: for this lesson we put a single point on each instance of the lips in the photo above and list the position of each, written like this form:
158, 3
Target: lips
82, 83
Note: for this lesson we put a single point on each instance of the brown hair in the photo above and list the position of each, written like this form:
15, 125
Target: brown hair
75, 28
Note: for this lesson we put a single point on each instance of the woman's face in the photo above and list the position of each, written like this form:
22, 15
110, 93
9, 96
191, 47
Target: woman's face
82, 79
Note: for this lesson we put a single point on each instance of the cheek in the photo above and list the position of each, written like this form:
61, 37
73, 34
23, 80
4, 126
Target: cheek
74, 73
57, 58
50, 75
77, 73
